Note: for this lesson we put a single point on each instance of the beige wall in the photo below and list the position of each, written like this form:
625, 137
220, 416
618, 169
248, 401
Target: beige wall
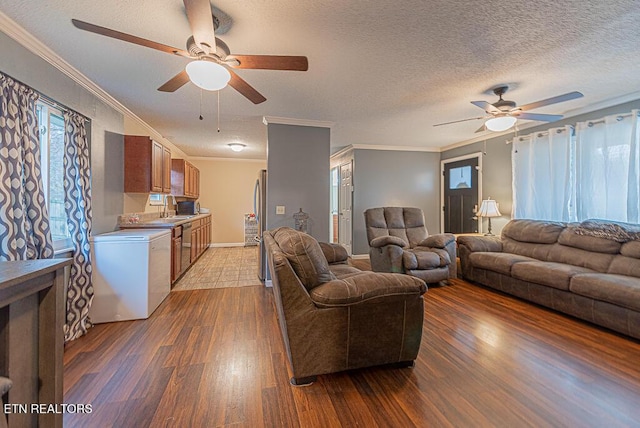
226, 188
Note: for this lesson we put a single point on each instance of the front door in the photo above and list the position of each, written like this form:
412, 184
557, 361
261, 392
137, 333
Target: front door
461, 196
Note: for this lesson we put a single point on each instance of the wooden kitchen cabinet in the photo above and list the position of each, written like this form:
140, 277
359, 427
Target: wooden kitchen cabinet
176, 253
147, 165
185, 179
200, 236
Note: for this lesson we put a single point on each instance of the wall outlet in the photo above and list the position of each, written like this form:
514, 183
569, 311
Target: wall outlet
279, 209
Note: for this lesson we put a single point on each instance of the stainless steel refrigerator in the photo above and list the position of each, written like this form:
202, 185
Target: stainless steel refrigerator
260, 209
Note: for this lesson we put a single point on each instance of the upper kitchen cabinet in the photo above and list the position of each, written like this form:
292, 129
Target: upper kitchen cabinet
147, 165
185, 179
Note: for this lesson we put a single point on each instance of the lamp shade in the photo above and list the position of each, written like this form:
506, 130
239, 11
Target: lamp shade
500, 123
208, 75
489, 208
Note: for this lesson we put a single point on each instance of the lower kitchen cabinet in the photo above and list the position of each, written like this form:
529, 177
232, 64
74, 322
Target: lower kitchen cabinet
176, 252
200, 237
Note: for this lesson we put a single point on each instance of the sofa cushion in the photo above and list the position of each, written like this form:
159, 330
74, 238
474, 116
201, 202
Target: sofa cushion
342, 269
404, 223
305, 256
575, 256
615, 289
497, 262
533, 231
571, 238
417, 259
556, 275
364, 287
631, 249
623, 265
334, 253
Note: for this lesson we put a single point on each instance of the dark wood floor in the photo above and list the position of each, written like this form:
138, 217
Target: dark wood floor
215, 358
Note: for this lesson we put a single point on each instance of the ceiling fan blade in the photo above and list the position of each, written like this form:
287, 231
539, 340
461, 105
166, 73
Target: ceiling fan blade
458, 121
201, 21
270, 62
536, 116
552, 100
175, 83
489, 108
245, 89
128, 38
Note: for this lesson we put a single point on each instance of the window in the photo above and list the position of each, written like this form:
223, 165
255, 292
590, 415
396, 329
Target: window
52, 165
460, 178
594, 174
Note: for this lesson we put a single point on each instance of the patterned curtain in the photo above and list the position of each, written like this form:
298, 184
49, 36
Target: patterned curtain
24, 220
77, 188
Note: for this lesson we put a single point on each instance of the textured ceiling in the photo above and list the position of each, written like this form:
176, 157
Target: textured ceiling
383, 72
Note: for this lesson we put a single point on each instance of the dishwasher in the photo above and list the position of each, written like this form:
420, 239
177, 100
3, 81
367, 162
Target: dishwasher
131, 273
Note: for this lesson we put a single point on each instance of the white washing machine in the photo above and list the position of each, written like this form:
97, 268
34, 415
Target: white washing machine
131, 273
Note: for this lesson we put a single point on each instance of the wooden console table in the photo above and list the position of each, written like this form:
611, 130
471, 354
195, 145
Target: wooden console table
32, 311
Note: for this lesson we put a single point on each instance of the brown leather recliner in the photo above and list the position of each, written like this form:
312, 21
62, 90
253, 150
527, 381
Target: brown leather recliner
399, 242
334, 317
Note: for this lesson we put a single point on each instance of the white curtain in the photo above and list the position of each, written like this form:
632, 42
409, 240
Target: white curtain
607, 168
543, 175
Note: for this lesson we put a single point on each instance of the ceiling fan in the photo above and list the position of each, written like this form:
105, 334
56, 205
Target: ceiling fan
212, 59
503, 114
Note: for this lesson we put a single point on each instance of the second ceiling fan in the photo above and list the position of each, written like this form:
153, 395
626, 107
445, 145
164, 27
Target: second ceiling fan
503, 114
212, 59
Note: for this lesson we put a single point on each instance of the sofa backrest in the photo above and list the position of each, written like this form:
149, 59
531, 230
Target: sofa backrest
405, 223
579, 244
586, 251
628, 261
305, 256
531, 238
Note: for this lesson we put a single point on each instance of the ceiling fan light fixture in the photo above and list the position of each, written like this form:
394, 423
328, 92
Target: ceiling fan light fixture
500, 123
208, 75
237, 147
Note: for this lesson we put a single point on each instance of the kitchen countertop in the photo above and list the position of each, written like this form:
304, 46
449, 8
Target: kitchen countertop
167, 222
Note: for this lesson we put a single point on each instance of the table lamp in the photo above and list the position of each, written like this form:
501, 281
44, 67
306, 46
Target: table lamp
489, 208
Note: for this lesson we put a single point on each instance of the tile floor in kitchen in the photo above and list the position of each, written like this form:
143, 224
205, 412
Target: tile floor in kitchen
222, 268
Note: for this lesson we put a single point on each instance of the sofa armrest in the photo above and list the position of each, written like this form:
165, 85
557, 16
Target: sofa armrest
480, 243
382, 241
440, 240
334, 253
366, 286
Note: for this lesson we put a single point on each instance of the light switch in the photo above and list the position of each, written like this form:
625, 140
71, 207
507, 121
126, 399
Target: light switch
279, 209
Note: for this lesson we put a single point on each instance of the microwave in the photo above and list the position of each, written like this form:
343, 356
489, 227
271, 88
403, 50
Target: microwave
188, 208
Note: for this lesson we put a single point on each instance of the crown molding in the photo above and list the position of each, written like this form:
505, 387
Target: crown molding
299, 122
35, 46
219, 159
395, 148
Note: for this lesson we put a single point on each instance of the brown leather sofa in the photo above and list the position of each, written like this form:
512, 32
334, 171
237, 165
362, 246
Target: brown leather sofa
334, 317
399, 242
590, 270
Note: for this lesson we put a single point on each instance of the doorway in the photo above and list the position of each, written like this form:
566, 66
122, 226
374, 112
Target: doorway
345, 205
461, 191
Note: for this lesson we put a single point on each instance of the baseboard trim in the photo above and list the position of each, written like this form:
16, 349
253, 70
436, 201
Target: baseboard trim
360, 256
226, 244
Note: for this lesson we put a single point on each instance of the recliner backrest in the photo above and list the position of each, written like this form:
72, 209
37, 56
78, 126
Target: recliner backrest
405, 223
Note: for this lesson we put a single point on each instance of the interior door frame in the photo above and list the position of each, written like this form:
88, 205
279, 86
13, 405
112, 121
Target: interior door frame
442, 183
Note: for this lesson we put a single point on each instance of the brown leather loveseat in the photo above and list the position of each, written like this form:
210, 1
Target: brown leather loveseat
334, 317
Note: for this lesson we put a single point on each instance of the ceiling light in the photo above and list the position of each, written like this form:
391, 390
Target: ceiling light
237, 147
208, 75
500, 123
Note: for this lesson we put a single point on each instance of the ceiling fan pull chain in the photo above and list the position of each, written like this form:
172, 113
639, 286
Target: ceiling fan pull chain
201, 105
218, 124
